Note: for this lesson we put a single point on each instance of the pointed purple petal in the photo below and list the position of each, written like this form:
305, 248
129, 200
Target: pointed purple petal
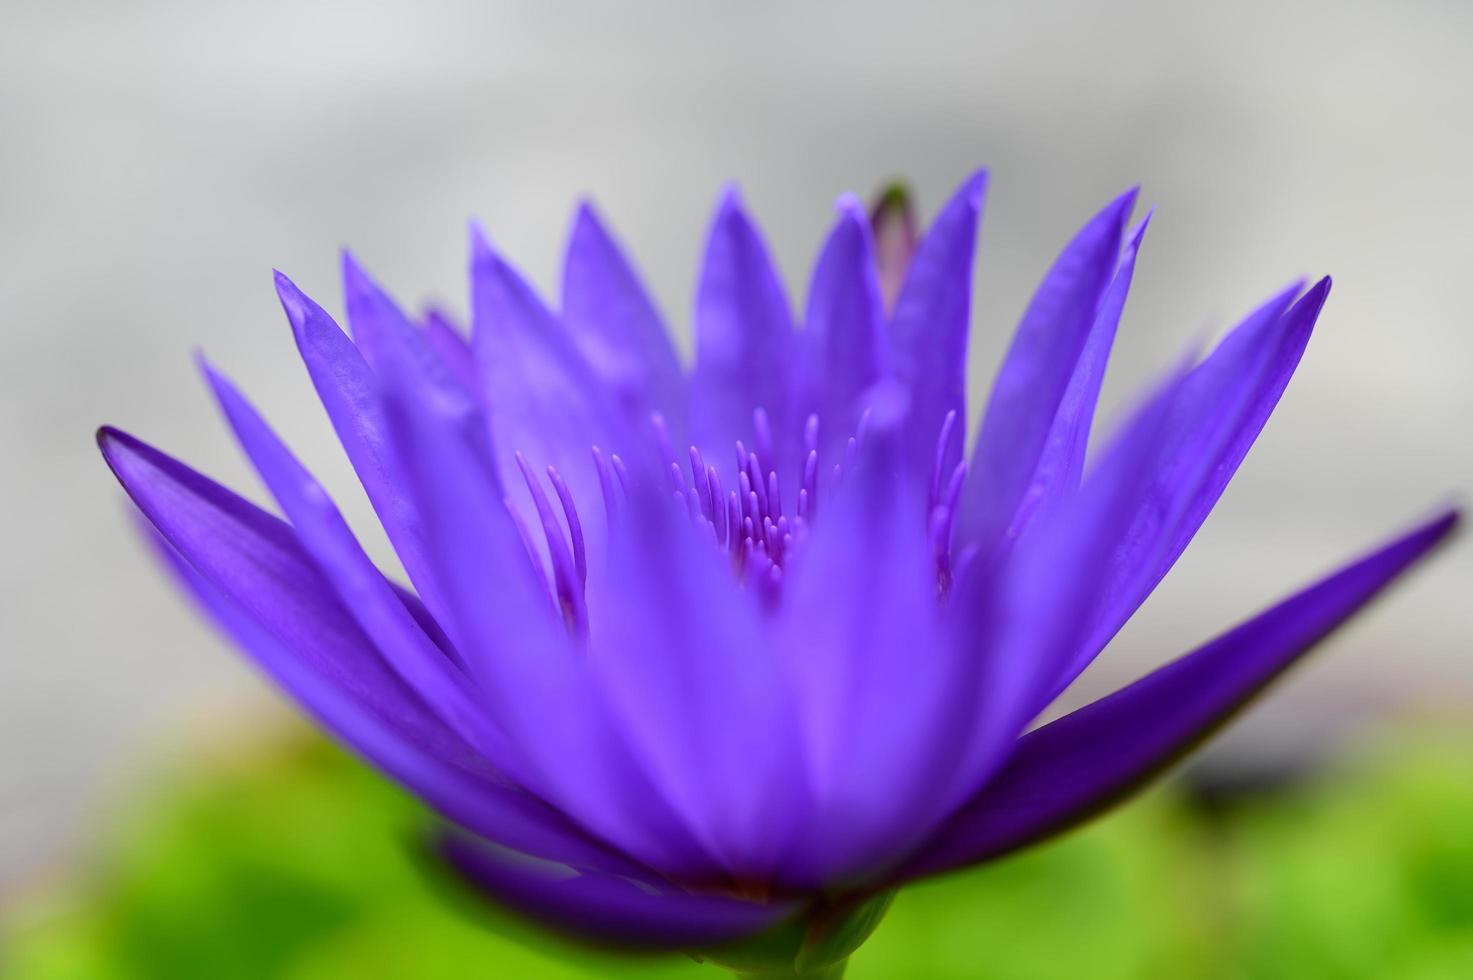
541, 397
626, 911
744, 336
1222, 407
349, 393
929, 328
615, 324
508, 631
1071, 769
246, 567
1034, 377
360, 587
1018, 621
844, 345
1062, 463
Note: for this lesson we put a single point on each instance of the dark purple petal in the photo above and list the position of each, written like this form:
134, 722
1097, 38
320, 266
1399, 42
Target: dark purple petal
616, 326
893, 222
744, 337
1071, 769
929, 328
510, 634
1034, 378
698, 688
349, 393
844, 347
360, 587
1220, 410
250, 573
626, 911
882, 711
542, 398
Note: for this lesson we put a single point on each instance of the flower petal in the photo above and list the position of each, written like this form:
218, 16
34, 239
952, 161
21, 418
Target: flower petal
883, 716
1220, 410
360, 587
1062, 462
1072, 768
627, 911
615, 324
246, 567
1033, 380
929, 328
509, 633
844, 345
694, 681
542, 399
1019, 620
744, 338
349, 393
454, 349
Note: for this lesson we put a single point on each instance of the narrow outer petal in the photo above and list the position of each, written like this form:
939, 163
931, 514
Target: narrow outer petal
1071, 769
360, 586
744, 337
1034, 378
1221, 409
1062, 463
246, 568
929, 328
615, 324
349, 393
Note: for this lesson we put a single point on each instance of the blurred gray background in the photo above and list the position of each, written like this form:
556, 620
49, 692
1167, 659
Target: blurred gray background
157, 160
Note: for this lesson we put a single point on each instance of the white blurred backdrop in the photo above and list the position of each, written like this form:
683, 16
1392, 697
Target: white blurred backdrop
157, 160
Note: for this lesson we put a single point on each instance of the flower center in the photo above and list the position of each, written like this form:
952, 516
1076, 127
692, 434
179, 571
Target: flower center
746, 519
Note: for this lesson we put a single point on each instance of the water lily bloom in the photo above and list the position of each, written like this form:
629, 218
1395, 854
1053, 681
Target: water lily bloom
717, 658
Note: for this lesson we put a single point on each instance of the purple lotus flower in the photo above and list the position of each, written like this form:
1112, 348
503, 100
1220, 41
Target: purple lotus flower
692, 657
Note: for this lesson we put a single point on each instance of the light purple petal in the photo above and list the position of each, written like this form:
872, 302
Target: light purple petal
844, 346
694, 681
510, 633
626, 911
541, 397
454, 349
1034, 378
929, 328
349, 392
250, 573
616, 326
744, 338
882, 711
1071, 769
